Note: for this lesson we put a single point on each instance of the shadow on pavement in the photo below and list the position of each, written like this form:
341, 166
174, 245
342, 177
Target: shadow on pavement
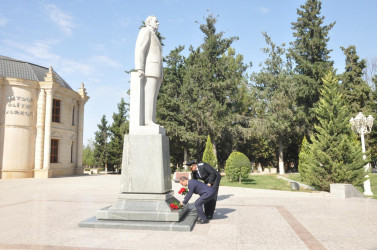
221, 213
223, 197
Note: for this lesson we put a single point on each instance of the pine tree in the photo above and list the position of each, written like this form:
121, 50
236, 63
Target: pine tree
372, 139
101, 143
208, 155
335, 153
118, 128
356, 91
274, 98
214, 76
311, 56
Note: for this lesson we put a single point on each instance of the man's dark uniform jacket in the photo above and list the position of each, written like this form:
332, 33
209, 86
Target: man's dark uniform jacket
208, 174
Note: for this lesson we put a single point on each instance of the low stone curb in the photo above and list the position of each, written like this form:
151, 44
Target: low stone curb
301, 184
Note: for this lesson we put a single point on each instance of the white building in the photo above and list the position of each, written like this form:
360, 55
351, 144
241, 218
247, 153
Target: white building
41, 122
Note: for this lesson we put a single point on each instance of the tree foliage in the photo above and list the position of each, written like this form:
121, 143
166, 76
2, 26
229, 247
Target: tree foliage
172, 109
201, 94
311, 57
101, 153
304, 159
117, 130
356, 91
208, 155
88, 159
334, 154
273, 92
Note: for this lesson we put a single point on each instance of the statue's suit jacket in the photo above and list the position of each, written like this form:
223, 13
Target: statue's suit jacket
148, 53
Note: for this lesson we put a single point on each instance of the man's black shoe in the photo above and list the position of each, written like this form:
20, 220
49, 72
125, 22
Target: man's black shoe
209, 217
201, 221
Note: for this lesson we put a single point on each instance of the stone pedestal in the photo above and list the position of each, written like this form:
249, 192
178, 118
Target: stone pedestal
146, 164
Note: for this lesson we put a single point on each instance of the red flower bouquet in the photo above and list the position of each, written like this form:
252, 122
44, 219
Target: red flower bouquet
175, 205
183, 191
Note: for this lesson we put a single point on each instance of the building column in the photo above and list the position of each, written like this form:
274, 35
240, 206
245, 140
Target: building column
80, 128
39, 141
80, 131
47, 131
2, 96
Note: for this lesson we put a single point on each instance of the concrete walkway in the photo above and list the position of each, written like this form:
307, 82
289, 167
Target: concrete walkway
44, 213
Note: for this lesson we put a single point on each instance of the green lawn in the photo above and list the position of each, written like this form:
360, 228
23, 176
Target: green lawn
260, 182
294, 177
373, 182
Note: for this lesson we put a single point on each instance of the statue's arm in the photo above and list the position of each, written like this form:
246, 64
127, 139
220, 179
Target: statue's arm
142, 44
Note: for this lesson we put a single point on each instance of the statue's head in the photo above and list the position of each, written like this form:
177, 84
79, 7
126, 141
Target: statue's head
152, 22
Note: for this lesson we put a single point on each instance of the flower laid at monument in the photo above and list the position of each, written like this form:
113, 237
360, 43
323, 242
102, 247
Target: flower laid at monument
183, 191
175, 205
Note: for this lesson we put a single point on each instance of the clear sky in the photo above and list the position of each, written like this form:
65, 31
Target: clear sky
93, 41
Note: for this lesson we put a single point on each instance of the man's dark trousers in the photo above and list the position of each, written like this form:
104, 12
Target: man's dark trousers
210, 206
203, 200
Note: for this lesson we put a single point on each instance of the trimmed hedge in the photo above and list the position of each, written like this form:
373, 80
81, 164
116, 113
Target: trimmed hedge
237, 167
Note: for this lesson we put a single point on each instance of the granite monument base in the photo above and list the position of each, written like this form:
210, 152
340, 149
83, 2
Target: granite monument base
186, 224
143, 207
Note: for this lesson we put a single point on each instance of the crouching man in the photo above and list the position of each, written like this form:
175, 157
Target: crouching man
206, 194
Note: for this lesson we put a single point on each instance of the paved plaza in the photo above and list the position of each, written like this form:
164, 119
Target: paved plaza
44, 214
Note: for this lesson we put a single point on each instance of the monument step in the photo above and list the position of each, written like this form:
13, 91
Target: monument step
186, 223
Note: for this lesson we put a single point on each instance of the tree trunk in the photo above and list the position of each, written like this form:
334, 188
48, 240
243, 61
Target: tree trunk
215, 153
185, 157
239, 179
184, 154
281, 159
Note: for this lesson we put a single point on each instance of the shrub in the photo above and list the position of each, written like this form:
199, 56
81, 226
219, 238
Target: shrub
237, 167
209, 155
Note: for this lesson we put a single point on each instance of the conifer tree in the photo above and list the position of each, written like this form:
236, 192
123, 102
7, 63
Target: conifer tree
356, 91
274, 98
101, 143
372, 139
118, 128
213, 79
335, 153
311, 56
208, 155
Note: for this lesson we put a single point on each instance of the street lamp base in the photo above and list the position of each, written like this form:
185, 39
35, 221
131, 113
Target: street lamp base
367, 189
368, 193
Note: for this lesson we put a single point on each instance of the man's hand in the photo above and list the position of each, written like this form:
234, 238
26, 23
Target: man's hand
209, 184
141, 73
181, 203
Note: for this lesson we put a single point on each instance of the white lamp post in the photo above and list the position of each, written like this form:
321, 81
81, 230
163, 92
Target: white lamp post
363, 125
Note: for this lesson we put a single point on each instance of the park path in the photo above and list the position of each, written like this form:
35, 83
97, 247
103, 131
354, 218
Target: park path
44, 213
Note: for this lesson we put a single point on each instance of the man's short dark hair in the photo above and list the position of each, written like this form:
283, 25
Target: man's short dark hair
183, 178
